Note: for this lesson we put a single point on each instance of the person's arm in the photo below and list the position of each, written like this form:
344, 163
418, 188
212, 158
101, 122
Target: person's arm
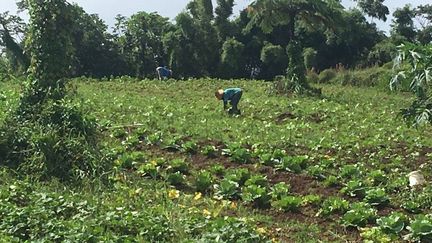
225, 101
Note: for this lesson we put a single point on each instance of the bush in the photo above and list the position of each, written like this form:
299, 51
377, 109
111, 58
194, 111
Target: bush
327, 75
369, 77
59, 142
312, 77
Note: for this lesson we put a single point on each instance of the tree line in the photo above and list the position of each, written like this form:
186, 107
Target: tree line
206, 40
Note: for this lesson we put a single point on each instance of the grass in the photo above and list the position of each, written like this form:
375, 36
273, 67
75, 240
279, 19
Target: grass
350, 126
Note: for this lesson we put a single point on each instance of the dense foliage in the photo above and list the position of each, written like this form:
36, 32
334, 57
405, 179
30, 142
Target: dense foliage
47, 135
203, 42
415, 63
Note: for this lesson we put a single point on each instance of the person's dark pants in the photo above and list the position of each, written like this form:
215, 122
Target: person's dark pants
235, 100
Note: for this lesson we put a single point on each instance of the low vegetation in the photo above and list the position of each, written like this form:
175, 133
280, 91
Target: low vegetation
183, 168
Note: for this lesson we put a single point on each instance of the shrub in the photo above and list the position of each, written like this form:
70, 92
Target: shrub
59, 142
368, 77
312, 77
326, 76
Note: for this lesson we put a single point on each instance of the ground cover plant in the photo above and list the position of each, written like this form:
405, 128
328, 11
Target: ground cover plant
301, 174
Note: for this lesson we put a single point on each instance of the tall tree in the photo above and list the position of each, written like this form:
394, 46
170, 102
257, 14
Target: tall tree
95, 52
183, 47
11, 26
142, 42
50, 42
374, 8
202, 13
424, 19
269, 14
274, 59
223, 25
232, 59
253, 41
403, 24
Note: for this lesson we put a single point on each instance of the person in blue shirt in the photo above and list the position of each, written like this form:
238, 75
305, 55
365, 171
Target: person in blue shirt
163, 72
233, 95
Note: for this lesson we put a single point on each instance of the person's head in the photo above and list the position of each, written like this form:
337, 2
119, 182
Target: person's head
219, 94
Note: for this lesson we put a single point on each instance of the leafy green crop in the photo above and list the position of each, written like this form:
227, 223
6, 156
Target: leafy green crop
176, 178
203, 181
354, 188
209, 150
238, 175
376, 196
333, 205
280, 190
178, 165
227, 189
359, 215
289, 203
257, 195
420, 228
393, 223
258, 180
189, 147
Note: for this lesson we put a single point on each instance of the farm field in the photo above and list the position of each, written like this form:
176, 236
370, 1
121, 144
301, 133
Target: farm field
289, 169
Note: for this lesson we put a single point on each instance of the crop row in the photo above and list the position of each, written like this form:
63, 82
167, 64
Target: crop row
365, 192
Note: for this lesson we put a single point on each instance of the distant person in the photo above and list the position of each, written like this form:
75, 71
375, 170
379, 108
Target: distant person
233, 95
163, 72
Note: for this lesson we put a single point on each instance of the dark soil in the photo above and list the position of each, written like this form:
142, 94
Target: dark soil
285, 116
300, 185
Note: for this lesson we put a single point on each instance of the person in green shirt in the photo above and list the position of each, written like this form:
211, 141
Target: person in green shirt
233, 95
